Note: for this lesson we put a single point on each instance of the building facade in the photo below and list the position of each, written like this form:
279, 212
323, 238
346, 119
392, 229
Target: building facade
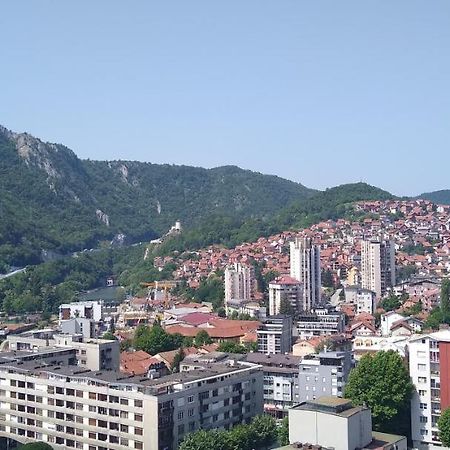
239, 283
378, 265
322, 374
320, 322
429, 367
275, 335
69, 407
281, 382
305, 267
285, 289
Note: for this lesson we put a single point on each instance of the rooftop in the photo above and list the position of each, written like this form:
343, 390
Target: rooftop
115, 379
331, 405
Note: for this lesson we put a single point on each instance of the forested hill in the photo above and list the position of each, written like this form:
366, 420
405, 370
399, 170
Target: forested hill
440, 197
52, 200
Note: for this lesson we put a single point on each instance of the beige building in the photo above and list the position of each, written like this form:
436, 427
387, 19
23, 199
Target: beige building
72, 407
239, 283
93, 354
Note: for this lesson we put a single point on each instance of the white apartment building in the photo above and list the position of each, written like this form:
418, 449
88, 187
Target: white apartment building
429, 367
239, 283
305, 267
285, 288
377, 266
84, 310
70, 407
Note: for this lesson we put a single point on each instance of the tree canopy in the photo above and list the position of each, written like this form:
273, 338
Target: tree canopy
259, 434
381, 382
444, 428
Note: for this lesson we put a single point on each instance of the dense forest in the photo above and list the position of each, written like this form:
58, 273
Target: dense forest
52, 201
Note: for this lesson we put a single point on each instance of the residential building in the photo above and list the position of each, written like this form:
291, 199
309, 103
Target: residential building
285, 289
281, 381
322, 374
320, 322
79, 325
334, 423
429, 367
93, 354
378, 265
305, 267
239, 282
85, 310
275, 335
71, 407
363, 299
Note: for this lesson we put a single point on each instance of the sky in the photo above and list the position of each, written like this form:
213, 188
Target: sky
319, 92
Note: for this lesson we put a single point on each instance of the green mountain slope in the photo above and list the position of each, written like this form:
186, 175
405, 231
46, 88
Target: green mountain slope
440, 197
51, 200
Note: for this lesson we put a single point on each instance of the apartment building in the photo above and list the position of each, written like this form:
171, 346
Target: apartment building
94, 354
239, 283
305, 267
281, 381
72, 407
429, 367
275, 335
285, 289
320, 322
363, 299
324, 374
378, 265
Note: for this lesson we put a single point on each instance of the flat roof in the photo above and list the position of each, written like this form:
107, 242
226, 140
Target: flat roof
331, 405
116, 377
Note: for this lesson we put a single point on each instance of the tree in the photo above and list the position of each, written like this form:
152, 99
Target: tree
231, 347
444, 428
109, 336
36, 446
259, 434
263, 430
153, 340
175, 367
202, 338
327, 278
206, 440
283, 432
390, 303
382, 382
286, 307
445, 297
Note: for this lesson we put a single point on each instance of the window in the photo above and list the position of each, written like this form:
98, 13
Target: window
422, 379
191, 412
138, 431
423, 419
180, 415
421, 367
138, 403
191, 399
138, 417
422, 392
181, 429
124, 401
123, 428
423, 406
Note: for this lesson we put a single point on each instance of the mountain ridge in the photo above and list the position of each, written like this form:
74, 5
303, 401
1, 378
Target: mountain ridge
53, 200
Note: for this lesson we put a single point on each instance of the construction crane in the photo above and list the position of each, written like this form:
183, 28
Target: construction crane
161, 285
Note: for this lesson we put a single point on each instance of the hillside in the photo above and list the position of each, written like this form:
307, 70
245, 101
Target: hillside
440, 197
50, 200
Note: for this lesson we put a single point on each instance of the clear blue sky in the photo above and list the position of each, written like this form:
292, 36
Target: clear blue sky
320, 92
